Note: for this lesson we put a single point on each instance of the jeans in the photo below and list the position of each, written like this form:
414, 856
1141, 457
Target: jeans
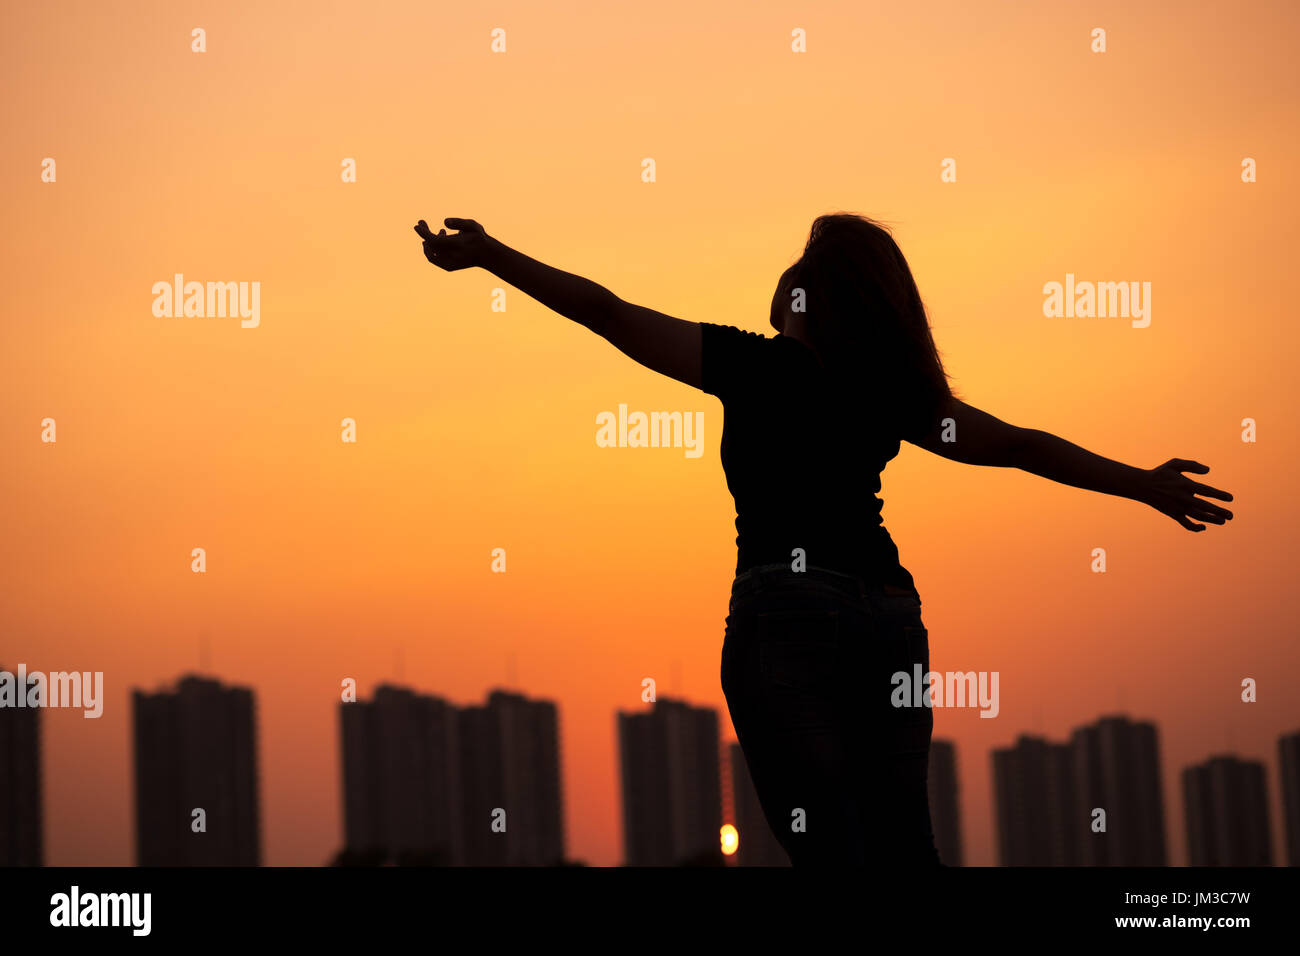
807, 670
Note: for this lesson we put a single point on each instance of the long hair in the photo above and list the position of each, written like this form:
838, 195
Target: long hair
868, 325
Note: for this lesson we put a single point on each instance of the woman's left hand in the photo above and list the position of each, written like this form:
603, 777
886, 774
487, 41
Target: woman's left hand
463, 250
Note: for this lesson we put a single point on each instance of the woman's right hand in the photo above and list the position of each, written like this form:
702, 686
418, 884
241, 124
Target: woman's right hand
1172, 493
467, 248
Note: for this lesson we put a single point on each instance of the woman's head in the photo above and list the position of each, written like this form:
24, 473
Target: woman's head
852, 299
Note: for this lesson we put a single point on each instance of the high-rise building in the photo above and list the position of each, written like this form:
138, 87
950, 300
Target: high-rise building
1288, 764
1052, 799
20, 778
512, 801
945, 802
1227, 813
1117, 769
758, 845
401, 779
1038, 822
196, 783
672, 788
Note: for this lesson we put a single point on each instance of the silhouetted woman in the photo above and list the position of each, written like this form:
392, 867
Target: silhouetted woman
822, 613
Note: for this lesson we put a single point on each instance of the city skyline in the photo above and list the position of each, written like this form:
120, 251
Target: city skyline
1114, 758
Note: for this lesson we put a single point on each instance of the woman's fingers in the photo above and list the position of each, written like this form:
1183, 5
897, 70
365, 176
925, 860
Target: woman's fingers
1205, 510
1218, 512
424, 232
1210, 492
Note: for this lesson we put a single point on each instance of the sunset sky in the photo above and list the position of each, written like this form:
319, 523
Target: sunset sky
476, 429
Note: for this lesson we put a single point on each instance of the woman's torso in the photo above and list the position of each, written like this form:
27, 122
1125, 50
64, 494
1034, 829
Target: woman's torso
803, 466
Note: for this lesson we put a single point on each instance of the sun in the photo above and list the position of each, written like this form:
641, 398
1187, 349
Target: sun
730, 839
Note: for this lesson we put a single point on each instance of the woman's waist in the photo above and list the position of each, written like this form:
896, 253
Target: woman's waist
855, 586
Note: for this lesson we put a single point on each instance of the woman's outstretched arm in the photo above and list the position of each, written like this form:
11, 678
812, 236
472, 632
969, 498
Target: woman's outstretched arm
660, 342
977, 438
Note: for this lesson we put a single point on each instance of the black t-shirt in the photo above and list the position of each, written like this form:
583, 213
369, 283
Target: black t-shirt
802, 464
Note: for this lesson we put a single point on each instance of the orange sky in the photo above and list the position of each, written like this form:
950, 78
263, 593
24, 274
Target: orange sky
476, 429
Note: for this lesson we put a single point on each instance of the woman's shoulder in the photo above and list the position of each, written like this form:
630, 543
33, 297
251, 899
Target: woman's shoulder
733, 359
718, 336
732, 333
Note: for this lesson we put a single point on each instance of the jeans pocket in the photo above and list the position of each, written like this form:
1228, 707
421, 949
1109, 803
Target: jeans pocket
798, 649
799, 664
